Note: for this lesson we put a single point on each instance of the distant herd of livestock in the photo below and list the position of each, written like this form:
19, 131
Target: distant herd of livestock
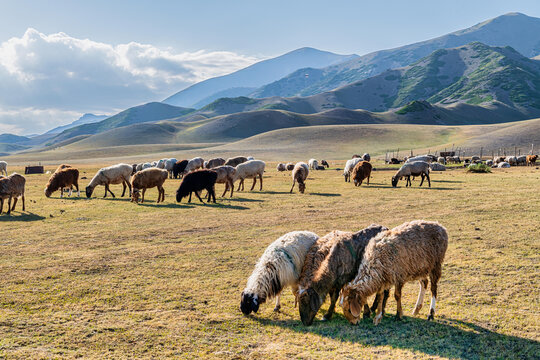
198, 175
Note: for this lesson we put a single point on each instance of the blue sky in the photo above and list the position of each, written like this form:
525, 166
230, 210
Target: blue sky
59, 59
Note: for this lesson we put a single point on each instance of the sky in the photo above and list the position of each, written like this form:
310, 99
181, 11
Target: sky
60, 59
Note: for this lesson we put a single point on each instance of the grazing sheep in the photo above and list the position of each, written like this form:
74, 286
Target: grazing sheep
489, 162
146, 179
12, 187
115, 174
366, 157
179, 168
3, 168
412, 251
196, 181
300, 174
418, 168
161, 164
278, 267
320, 167
194, 164
281, 167
325, 163
290, 166
441, 160
169, 166
424, 158
235, 161
394, 161
504, 164
349, 166
225, 175
250, 169
531, 160
437, 167
456, 159
361, 171
212, 163
522, 160
331, 263
313, 164
63, 178
512, 160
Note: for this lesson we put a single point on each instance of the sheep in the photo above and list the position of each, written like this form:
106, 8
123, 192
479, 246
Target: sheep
313, 164
278, 267
146, 179
531, 160
169, 166
139, 167
212, 163
349, 166
250, 158
153, 164
194, 164
504, 164
300, 174
179, 168
498, 159
361, 171
281, 167
424, 158
412, 251
196, 181
441, 160
325, 163
161, 164
290, 166
331, 263
522, 160
456, 159
134, 166
115, 174
394, 161
320, 167
418, 168
63, 178
250, 169
512, 160
366, 157
437, 167
3, 168
146, 165
235, 161
356, 156
225, 175
62, 167
489, 162
12, 187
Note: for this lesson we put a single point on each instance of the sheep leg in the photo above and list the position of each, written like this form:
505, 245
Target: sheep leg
278, 303
23, 207
226, 188
143, 192
232, 187
105, 192
129, 187
123, 188
254, 182
213, 193
379, 313
1, 204
9, 205
239, 184
420, 300
434, 279
70, 191
189, 197
260, 178
397, 296
422, 181
294, 182
334, 294
197, 193
77, 187
429, 181
367, 312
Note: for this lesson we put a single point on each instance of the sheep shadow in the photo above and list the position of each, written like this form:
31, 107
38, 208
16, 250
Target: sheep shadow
153, 204
448, 181
239, 199
273, 192
26, 216
219, 205
324, 194
443, 337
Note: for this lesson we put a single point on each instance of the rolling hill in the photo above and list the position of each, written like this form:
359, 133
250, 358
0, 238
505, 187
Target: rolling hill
244, 81
84, 119
519, 31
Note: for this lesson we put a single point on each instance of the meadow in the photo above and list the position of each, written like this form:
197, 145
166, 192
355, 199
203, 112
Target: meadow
105, 278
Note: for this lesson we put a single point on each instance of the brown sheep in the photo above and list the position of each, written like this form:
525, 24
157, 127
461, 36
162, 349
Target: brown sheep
330, 264
412, 251
62, 167
300, 174
146, 179
212, 163
225, 176
65, 178
235, 161
12, 187
361, 171
531, 160
289, 166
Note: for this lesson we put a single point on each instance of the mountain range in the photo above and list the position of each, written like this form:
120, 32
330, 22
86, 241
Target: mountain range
84, 119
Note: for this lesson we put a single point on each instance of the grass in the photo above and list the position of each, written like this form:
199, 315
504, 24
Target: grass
105, 278
478, 168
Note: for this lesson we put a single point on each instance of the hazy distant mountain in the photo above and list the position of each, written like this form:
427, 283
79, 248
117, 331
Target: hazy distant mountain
85, 119
13, 139
244, 81
519, 31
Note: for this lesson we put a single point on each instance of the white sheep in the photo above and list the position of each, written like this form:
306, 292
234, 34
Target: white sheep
349, 166
512, 160
116, 174
194, 164
521, 160
139, 167
489, 162
3, 168
250, 170
281, 167
146, 165
279, 266
169, 166
313, 164
503, 164
441, 160
425, 158
417, 168
437, 167
250, 158
225, 175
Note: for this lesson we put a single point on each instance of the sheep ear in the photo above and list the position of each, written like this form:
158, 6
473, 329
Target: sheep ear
354, 306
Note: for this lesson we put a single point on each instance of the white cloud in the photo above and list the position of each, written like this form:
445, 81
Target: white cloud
44, 79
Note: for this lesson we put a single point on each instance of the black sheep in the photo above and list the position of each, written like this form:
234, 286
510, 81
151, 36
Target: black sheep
179, 168
196, 181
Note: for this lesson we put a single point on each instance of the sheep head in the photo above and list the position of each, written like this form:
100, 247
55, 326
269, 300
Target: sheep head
249, 303
395, 180
48, 192
301, 187
352, 303
309, 303
89, 191
135, 193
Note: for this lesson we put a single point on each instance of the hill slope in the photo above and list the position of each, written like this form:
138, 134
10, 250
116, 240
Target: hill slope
519, 31
84, 119
244, 81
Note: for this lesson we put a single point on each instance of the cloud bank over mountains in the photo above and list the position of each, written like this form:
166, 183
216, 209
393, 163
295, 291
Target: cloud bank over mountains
49, 80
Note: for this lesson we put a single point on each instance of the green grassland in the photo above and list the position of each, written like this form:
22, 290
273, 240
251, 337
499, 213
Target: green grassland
105, 278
